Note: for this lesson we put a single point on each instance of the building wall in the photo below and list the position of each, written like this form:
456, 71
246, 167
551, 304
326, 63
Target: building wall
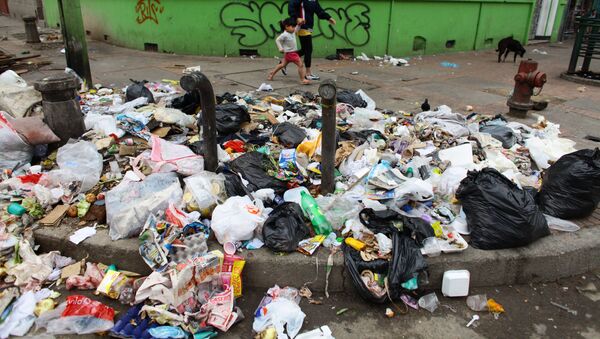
220, 27
22, 8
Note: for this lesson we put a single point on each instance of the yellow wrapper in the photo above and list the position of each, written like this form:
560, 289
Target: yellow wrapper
236, 277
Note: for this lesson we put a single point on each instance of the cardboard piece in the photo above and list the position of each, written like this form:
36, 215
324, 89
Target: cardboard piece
161, 132
55, 216
72, 270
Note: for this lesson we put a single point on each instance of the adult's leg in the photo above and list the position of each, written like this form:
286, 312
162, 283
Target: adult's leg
307, 49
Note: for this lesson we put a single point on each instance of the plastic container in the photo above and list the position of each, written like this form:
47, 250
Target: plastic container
429, 302
456, 283
431, 247
320, 223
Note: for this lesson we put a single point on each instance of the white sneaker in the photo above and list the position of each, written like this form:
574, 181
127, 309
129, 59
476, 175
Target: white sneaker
312, 77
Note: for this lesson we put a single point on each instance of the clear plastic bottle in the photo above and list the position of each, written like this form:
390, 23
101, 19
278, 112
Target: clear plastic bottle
320, 224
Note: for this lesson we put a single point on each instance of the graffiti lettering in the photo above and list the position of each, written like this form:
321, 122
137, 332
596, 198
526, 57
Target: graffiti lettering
148, 10
254, 24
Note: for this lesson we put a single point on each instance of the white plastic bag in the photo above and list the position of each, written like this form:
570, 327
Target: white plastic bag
169, 157
10, 78
281, 314
561, 224
237, 218
13, 150
544, 150
174, 116
129, 203
208, 189
370, 102
324, 332
82, 159
103, 124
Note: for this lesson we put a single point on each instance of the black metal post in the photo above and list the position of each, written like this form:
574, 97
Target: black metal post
328, 93
197, 81
576, 50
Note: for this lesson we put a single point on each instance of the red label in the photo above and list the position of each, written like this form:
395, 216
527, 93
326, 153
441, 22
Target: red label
78, 305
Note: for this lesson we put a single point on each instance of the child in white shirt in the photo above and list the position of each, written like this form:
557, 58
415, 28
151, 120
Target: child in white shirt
286, 42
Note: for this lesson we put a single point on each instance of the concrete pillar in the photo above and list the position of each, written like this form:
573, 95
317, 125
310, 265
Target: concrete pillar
61, 108
31, 31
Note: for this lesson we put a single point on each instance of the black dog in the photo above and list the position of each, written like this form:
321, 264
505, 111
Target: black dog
508, 45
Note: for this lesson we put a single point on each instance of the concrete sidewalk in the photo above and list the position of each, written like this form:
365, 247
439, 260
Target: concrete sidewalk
478, 81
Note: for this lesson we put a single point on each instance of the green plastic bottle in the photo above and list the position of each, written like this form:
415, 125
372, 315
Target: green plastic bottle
320, 224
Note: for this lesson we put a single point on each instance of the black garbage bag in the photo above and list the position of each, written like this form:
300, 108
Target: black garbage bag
189, 103
499, 214
296, 107
289, 135
388, 221
502, 133
351, 99
571, 186
407, 260
361, 136
233, 185
253, 167
285, 228
136, 90
230, 118
226, 97
351, 260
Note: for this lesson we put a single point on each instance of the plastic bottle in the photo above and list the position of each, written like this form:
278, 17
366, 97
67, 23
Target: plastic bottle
320, 224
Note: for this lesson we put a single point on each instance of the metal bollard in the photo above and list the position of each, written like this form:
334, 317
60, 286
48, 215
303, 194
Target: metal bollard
31, 31
61, 108
197, 81
328, 93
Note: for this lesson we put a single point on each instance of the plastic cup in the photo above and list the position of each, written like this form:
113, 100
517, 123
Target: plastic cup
429, 302
431, 247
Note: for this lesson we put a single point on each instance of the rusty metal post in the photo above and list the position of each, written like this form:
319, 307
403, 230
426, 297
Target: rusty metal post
328, 93
198, 82
61, 108
31, 31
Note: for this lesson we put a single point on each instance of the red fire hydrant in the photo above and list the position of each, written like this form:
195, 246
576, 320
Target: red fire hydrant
526, 80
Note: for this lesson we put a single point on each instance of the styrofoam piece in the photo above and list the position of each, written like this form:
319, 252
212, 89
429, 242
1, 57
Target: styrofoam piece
456, 283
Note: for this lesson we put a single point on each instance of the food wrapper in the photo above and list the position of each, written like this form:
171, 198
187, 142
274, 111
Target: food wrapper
43, 306
221, 314
151, 250
236, 277
112, 284
309, 246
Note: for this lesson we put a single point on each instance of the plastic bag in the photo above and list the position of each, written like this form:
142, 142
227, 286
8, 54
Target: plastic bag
289, 135
129, 203
83, 161
544, 151
187, 103
284, 228
282, 314
13, 150
230, 118
370, 102
174, 116
499, 214
208, 189
353, 99
237, 218
82, 315
137, 90
571, 186
170, 157
253, 168
34, 131
11, 78
560, 224
338, 209
502, 133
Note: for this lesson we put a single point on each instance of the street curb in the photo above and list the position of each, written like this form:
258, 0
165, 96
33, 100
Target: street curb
548, 259
579, 80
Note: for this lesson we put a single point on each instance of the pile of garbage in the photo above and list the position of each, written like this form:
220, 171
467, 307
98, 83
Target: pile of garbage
408, 185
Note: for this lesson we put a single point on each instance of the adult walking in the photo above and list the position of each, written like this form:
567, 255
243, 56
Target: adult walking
303, 11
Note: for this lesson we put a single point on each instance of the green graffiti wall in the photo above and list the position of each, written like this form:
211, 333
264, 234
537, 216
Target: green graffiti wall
220, 27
